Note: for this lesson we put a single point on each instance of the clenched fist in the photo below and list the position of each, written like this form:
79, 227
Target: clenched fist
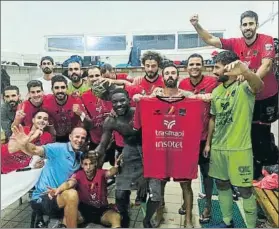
76, 109
194, 19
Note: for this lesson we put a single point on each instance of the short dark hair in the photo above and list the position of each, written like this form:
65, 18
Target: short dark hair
226, 57
151, 55
58, 78
87, 155
71, 62
10, 88
47, 58
40, 110
35, 83
118, 90
249, 13
170, 64
106, 67
195, 55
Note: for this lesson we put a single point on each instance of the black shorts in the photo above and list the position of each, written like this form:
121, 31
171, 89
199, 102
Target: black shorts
266, 110
92, 214
202, 159
45, 206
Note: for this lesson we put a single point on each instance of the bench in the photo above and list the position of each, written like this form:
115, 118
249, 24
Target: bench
268, 201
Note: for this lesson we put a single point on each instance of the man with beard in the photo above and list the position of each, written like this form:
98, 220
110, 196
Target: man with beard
63, 159
199, 84
257, 51
171, 90
14, 159
229, 135
8, 108
66, 111
77, 86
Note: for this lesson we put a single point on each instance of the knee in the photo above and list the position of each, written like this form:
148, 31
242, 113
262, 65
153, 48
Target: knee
223, 185
186, 185
70, 195
115, 218
245, 193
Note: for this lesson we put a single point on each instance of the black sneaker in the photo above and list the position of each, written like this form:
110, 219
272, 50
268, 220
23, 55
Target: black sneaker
61, 225
40, 224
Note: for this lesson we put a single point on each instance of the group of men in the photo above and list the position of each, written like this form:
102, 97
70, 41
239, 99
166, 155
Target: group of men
157, 123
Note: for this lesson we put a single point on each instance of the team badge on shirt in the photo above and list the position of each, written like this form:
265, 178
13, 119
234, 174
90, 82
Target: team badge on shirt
268, 47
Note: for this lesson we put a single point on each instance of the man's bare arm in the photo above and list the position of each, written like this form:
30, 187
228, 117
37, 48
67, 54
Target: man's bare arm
254, 81
211, 127
265, 68
205, 35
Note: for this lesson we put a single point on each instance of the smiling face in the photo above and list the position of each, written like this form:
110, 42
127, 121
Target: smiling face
59, 90
36, 95
151, 68
77, 138
120, 103
89, 167
194, 67
74, 72
248, 27
12, 98
40, 120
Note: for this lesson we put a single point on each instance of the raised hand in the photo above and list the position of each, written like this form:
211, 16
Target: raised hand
194, 19
77, 110
19, 137
235, 68
52, 192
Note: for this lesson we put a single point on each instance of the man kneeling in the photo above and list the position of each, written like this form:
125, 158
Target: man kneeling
91, 186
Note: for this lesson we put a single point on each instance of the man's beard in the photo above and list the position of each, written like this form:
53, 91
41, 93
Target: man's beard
13, 104
47, 70
59, 98
75, 78
151, 76
223, 78
171, 83
252, 32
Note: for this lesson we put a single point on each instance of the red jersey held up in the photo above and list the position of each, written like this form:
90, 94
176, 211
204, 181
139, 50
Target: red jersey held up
171, 133
62, 116
92, 192
263, 47
98, 110
18, 160
206, 85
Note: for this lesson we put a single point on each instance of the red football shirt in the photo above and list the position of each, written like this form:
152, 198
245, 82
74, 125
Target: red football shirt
262, 48
171, 133
98, 110
29, 109
206, 85
149, 86
92, 192
13, 161
62, 116
123, 76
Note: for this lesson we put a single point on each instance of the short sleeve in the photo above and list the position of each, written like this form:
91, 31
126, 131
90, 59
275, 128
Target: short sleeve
212, 105
53, 150
228, 44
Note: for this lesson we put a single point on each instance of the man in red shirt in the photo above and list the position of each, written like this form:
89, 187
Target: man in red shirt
172, 107
91, 185
199, 84
66, 111
15, 159
257, 51
27, 109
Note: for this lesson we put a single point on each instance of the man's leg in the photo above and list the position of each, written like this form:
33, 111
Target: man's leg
111, 218
249, 206
122, 200
69, 201
153, 202
159, 218
208, 188
188, 201
225, 200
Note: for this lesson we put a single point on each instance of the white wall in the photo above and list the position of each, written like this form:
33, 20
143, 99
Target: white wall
24, 24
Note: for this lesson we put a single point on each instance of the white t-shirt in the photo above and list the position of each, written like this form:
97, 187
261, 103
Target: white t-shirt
47, 85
